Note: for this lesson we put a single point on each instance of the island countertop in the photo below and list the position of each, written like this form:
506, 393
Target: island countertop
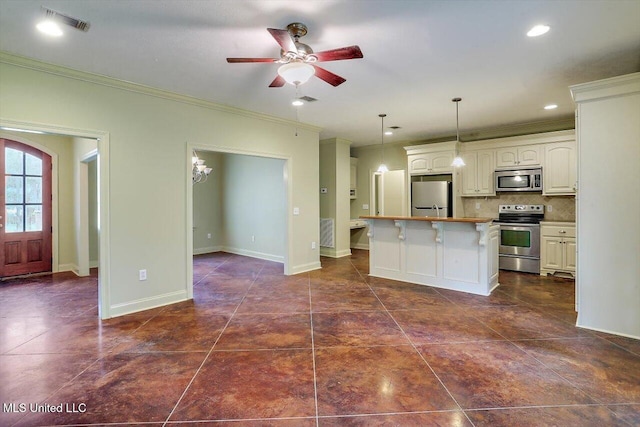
429, 218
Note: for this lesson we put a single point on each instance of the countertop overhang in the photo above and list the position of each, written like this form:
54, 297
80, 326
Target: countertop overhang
429, 218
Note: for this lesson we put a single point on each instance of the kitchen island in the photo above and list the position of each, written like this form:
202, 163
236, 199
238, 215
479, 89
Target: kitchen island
460, 254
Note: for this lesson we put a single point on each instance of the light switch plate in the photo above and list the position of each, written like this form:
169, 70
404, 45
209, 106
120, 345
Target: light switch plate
296, 211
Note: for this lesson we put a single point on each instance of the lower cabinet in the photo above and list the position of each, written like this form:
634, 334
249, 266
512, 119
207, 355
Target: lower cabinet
557, 248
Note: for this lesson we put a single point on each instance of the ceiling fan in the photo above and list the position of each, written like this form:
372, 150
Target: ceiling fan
299, 59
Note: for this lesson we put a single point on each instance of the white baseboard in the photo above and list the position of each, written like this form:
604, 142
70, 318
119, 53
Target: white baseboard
147, 303
253, 254
363, 246
68, 267
297, 269
207, 250
332, 253
94, 264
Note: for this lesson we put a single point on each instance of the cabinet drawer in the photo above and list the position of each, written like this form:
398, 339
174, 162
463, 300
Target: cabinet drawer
558, 231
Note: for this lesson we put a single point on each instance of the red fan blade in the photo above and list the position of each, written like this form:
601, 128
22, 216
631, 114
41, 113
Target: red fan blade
237, 60
284, 39
277, 82
328, 76
350, 52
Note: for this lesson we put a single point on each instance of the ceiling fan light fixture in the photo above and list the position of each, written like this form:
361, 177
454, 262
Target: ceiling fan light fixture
296, 73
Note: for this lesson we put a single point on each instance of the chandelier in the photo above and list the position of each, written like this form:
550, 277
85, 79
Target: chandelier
199, 170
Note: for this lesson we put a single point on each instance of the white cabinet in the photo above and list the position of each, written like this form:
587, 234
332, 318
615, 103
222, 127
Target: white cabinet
524, 155
353, 178
431, 163
557, 248
559, 171
477, 174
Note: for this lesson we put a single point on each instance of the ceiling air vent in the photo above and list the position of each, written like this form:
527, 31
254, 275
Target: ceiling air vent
67, 20
308, 99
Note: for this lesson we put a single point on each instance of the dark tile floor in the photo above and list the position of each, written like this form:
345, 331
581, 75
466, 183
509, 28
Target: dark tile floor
330, 347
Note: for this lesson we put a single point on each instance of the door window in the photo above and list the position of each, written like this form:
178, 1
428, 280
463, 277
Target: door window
23, 191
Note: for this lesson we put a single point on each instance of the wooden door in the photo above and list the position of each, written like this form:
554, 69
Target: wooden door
25, 209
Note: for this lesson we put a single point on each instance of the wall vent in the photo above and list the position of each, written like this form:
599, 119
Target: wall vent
327, 232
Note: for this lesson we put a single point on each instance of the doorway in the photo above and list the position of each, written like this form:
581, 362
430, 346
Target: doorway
242, 208
28, 134
388, 193
25, 210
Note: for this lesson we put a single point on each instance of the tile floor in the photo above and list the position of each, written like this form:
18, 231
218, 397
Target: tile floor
329, 348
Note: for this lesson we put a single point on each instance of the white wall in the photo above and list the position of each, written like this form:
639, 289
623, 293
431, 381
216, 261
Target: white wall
254, 206
608, 205
148, 134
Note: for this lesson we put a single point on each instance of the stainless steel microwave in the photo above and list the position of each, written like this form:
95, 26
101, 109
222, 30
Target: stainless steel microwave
519, 180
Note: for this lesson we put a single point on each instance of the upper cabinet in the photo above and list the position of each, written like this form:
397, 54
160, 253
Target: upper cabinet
526, 155
431, 158
477, 174
422, 164
560, 165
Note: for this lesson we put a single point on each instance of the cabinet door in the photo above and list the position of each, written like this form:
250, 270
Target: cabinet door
470, 173
441, 162
551, 253
485, 169
570, 254
529, 155
506, 157
560, 168
418, 164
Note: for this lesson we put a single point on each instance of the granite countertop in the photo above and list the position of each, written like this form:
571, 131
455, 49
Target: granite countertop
430, 218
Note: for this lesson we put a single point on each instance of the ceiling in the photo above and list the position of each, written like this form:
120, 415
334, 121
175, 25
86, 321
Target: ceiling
418, 55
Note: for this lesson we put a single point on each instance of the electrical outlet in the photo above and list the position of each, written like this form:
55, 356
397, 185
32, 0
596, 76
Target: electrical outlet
365, 207
313, 245
549, 208
296, 211
142, 275
477, 206
253, 239
208, 235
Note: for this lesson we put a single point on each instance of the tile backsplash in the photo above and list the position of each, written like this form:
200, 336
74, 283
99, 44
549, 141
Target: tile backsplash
563, 207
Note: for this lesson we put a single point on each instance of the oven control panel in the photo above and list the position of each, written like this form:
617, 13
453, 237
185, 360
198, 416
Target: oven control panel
525, 209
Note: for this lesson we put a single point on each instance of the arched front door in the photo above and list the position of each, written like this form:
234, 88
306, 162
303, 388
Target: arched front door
25, 209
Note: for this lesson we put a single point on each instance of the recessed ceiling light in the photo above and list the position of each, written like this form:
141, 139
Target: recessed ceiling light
297, 102
538, 30
49, 28
551, 107
388, 132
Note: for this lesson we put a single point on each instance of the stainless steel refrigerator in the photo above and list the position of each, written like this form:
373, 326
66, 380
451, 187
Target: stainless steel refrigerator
431, 198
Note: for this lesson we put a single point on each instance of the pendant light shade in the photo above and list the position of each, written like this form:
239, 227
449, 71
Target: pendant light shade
457, 160
382, 168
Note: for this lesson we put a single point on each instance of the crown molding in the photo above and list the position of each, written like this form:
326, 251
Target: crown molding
98, 79
606, 88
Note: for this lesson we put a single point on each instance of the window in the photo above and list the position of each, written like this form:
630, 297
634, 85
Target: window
23, 191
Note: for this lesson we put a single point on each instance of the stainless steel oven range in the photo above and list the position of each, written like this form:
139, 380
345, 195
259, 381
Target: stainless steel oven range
520, 237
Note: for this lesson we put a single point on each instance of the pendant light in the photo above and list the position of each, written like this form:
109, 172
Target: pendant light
457, 160
382, 168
